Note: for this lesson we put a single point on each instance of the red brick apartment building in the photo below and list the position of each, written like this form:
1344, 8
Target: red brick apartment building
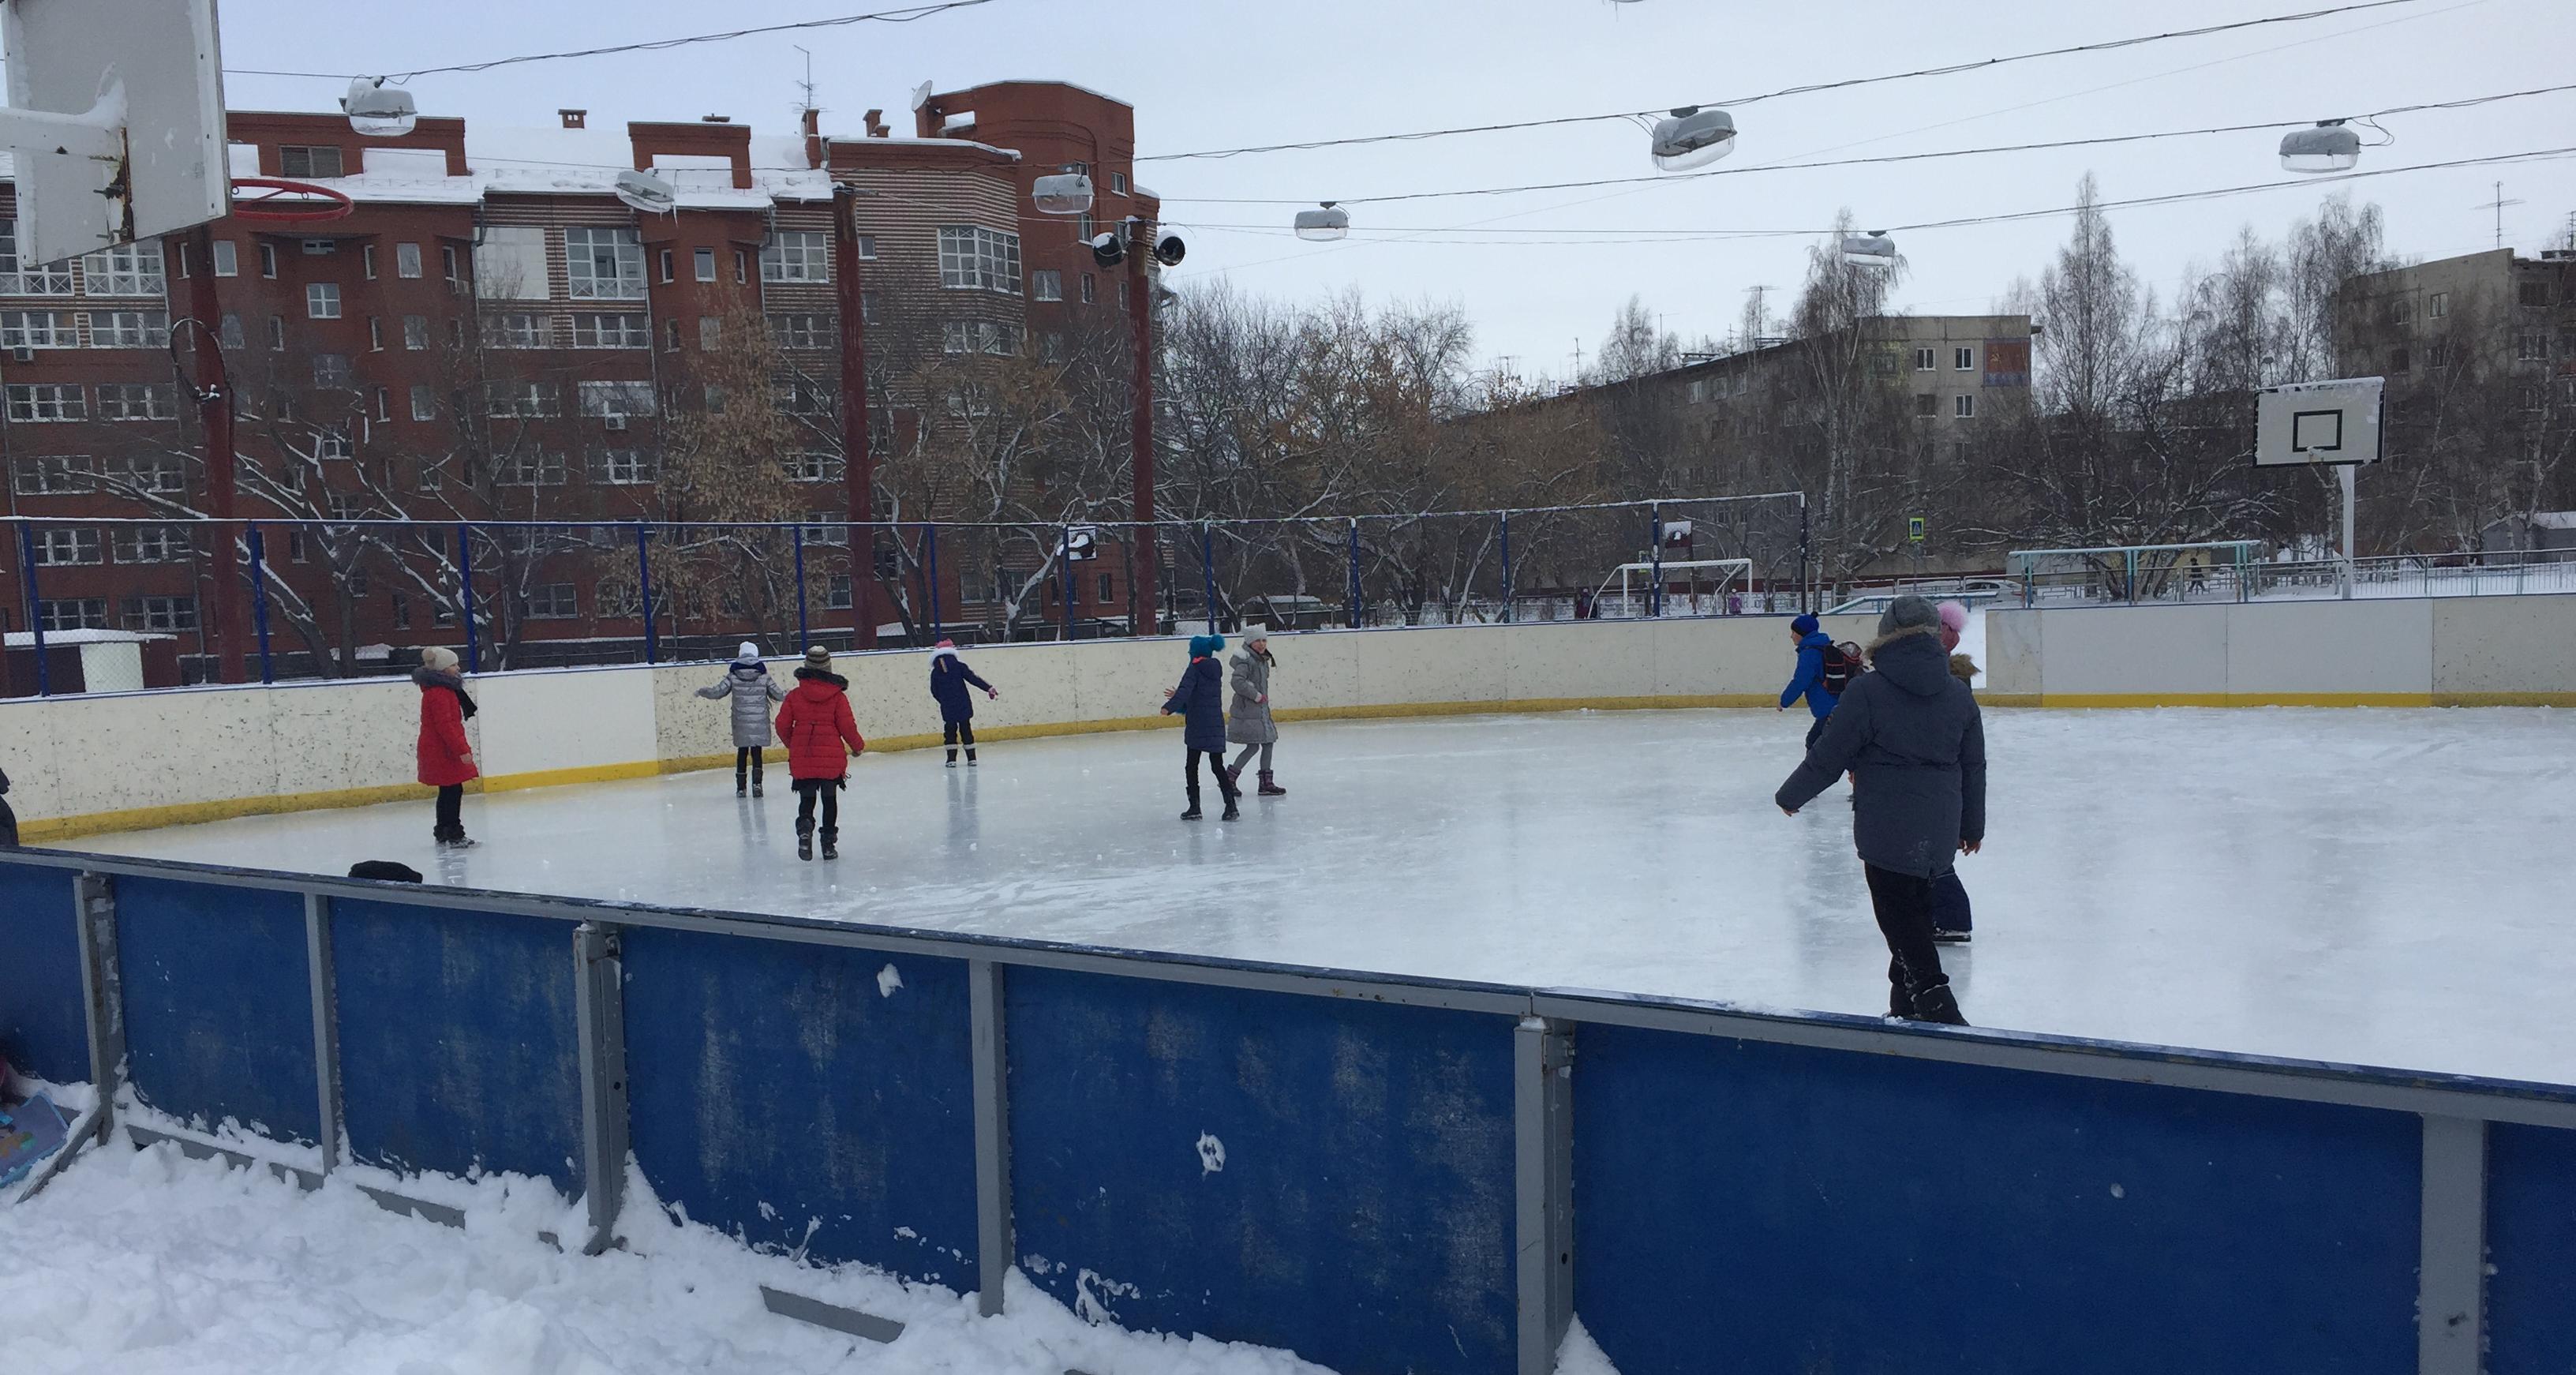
491, 334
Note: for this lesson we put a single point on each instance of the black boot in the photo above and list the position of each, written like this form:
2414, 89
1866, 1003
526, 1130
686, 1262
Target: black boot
970, 756
1193, 813
831, 845
1233, 795
740, 789
952, 756
804, 837
1938, 1004
755, 785
1269, 787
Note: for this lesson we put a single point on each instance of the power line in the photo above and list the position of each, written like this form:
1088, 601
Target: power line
1934, 155
1981, 64
895, 16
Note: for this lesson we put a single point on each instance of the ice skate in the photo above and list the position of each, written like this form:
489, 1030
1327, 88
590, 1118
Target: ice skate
1193, 813
804, 838
1949, 938
458, 842
1269, 787
970, 759
952, 759
1233, 812
1938, 1005
831, 845
755, 790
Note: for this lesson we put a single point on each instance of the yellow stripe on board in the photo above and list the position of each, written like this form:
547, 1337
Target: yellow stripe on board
2121, 700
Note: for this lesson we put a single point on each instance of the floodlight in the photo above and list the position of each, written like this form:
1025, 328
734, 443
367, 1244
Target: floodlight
379, 111
1693, 137
2329, 147
1323, 225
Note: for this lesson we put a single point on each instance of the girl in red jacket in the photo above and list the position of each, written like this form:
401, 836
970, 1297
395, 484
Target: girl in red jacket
814, 725
446, 756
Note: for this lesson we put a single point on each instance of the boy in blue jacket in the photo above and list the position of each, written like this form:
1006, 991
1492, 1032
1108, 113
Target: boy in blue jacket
1201, 700
949, 680
1823, 673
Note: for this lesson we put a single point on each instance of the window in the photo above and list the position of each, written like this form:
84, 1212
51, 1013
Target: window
626, 467
331, 371
227, 258
375, 335
19, 279
447, 267
424, 403
827, 527
160, 615
529, 470
301, 161
956, 336
2401, 360
402, 611
2437, 305
134, 270
611, 332
66, 546
415, 332
509, 264
2532, 346
710, 333
517, 329
38, 402
152, 544
671, 336
1046, 284
867, 307
2533, 294
606, 264
277, 333
800, 331
2401, 310
801, 397
867, 247
1925, 403
705, 261
268, 260
616, 398
1963, 360
555, 601
407, 260
138, 401
129, 329
76, 613
333, 443
1108, 587
813, 467
1090, 288
1963, 406
836, 592
978, 336
165, 473
322, 301
664, 262
1923, 360
1117, 187
384, 403
47, 329
229, 332
53, 476
796, 256
741, 267
367, 260
972, 258
523, 400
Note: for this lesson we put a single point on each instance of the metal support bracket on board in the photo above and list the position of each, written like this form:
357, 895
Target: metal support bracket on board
599, 1004
1543, 1171
102, 993
993, 1237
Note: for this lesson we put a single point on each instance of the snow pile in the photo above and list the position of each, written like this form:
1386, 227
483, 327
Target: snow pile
145, 1262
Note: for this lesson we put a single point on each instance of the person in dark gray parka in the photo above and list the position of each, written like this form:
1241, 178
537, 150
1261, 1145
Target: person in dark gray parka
748, 683
1911, 735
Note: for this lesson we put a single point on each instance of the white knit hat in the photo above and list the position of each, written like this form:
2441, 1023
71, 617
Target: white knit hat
746, 652
437, 659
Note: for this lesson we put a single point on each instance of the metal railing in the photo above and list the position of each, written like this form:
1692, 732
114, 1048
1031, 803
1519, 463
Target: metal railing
2447, 575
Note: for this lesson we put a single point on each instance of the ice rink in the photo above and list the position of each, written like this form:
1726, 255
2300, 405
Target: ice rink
2378, 887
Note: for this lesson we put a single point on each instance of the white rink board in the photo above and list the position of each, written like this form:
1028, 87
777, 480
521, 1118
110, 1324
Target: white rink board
2365, 886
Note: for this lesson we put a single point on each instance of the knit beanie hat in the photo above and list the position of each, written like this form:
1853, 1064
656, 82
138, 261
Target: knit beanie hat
746, 652
818, 657
438, 660
1954, 616
945, 643
1806, 624
1908, 612
1205, 646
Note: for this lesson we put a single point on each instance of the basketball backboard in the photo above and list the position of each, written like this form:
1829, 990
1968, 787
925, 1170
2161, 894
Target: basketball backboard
116, 119
2318, 422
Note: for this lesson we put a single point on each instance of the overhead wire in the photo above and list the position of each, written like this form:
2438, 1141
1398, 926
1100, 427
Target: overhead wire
1846, 83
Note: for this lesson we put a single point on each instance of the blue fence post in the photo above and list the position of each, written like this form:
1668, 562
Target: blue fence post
259, 604
644, 590
1064, 576
1355, 573
465, 596
930, 542
1507, 567
1207, 569
35, 608
1655, 561
804, 638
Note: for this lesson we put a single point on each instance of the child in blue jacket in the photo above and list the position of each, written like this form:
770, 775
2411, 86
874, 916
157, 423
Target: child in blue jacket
1200, 699
949, 680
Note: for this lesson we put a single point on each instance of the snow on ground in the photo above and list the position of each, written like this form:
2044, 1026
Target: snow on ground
144, 1262
2380, 887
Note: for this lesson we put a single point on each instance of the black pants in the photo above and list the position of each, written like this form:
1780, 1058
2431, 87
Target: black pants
1216, 765
1816, 730
960, 733
746, 758
1950, 909
451, 813
829, 789
1904, 907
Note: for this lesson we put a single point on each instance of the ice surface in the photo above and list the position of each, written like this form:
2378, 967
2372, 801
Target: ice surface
2380, 887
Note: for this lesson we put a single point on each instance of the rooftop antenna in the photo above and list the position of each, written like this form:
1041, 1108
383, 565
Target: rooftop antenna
2498, 206
808, 83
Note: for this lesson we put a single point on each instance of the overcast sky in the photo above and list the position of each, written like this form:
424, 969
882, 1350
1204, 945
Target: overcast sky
1217, 73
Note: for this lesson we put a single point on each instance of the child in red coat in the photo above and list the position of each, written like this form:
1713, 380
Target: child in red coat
814, 725
446, 756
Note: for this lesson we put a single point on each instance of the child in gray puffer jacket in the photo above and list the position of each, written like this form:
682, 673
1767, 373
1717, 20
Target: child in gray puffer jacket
748, 683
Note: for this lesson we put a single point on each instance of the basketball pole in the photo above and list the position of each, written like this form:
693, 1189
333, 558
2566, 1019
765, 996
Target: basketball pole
2343, 472
1145, 553
215, 405
858, 453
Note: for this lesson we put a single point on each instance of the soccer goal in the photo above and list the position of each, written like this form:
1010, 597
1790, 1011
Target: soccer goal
1691, 587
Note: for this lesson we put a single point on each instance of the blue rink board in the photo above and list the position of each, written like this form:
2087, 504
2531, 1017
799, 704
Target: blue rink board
1363, 1216
1811, 1210
767, 1075
44, 1029
219, 1005
2531, 1243
458, 1040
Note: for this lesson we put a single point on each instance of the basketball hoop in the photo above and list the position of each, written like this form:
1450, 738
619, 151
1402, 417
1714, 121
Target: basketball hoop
287, 202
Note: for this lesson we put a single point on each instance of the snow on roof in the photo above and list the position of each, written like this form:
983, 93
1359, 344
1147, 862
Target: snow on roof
2554, 520
26, 639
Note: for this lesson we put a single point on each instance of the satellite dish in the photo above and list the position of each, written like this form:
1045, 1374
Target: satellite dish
1693, 137
1169, 250
377, 112
647, 192
2329, 147
1323, 225
1106, 249
1067, 193
1873, 249
920, 95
